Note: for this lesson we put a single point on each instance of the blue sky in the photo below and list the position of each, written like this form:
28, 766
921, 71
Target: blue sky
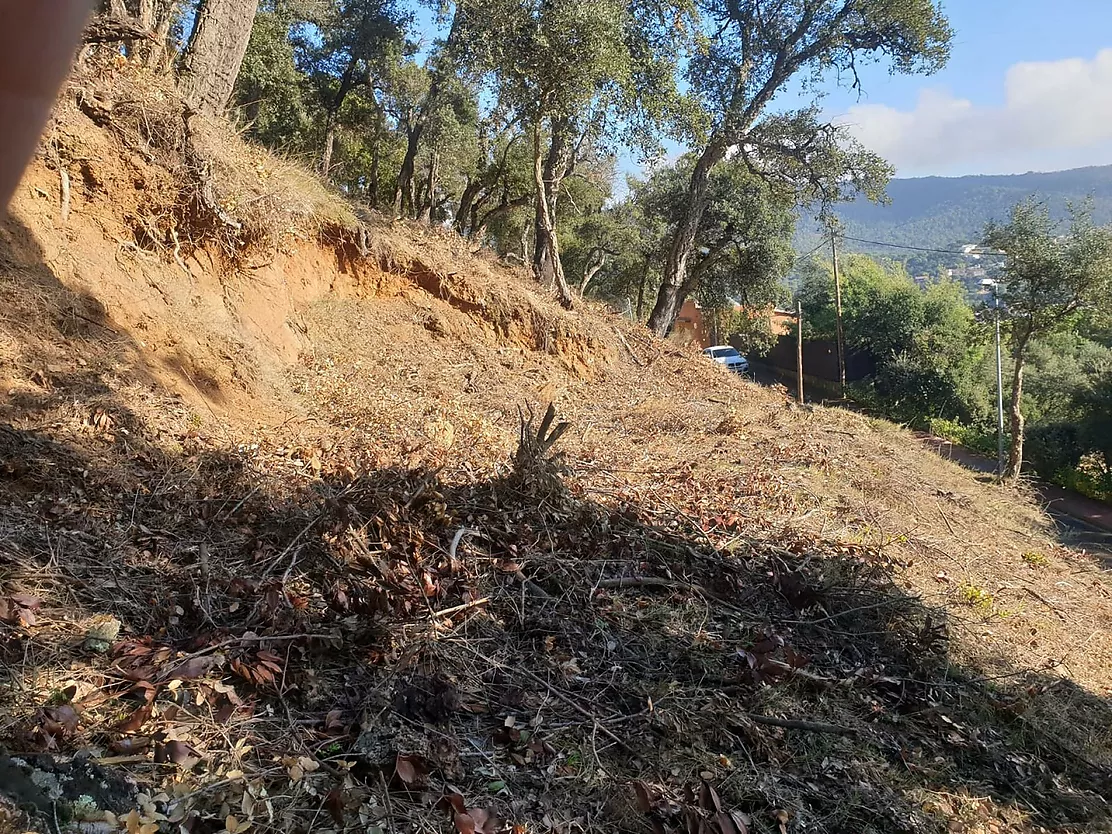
1028, 87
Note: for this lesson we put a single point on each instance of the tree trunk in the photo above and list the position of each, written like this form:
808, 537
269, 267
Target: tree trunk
217, 44
376, 156
594, 265
546, 249
641, 290
479, 224
156, 17
403, 192
329, 146
440, 74
430, 188
1015, 413
524, 242
466, 201
671, 296
332, 115
159, 55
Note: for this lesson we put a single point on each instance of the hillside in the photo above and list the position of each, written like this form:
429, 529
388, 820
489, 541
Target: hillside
283, 544
942, 212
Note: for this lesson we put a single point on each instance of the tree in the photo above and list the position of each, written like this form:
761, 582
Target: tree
924, 342
212, 57
358, 39
553, 61
425, 105
497, 182
1049, 278
742, 248
749, 51
437, 113
268, 93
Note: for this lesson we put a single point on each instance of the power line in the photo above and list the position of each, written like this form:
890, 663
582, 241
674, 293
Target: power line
809, 254
903, 246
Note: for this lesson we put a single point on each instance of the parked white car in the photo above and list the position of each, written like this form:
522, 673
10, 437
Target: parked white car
727, 356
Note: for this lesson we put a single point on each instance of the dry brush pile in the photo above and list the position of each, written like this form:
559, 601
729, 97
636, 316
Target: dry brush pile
697, 609
279, 638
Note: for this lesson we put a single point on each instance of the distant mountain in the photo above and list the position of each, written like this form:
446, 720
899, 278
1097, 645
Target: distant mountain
945, 212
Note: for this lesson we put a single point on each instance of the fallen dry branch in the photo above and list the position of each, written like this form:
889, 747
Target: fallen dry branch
457, 609
237, 641
795, 724
658, 582
567, 699
625, 343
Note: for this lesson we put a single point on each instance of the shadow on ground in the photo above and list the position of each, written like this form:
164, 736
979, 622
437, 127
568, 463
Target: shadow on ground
419, 633
321, 643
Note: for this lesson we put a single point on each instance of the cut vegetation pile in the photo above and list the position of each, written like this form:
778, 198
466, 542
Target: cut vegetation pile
290, 542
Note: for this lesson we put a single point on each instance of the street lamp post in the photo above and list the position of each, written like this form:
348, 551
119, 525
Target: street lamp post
989, 282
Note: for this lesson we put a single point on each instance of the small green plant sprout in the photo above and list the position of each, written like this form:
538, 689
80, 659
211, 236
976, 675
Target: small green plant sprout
1036, 560
976, 597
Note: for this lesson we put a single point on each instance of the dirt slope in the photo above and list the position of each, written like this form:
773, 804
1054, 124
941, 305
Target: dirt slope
275, 546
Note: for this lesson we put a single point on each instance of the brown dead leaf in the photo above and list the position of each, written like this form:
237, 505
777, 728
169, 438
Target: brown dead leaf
485, 821
453, 803
130, 745
334, 802
767, 645
644, 797
193, 668
795, 659
334, 722
60, 720
28, 602
741, 822
406, 768
19, 609
709, 799
177, 752
137, 719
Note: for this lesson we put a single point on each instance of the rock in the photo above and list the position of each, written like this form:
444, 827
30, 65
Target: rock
69, 789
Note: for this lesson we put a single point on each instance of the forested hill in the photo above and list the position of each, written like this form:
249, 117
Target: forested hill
939, 212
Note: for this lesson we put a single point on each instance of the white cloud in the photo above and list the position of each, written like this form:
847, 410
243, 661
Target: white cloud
1056, 114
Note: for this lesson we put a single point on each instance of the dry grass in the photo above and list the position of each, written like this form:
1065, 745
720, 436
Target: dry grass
230, 190
335, 611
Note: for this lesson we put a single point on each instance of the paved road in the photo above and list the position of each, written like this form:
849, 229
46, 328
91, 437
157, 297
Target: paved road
1082, 522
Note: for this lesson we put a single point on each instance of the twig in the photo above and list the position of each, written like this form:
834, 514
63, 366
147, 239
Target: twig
293, 543
456, 609
1045, 602
649, 582
658, 582
636, 359
793, 724
203, 556
457, 538
567, 699
949, 526
245, 639
243, 501
882, 604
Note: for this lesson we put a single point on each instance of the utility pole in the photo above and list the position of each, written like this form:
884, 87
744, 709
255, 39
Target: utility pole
799, 347
838, 317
